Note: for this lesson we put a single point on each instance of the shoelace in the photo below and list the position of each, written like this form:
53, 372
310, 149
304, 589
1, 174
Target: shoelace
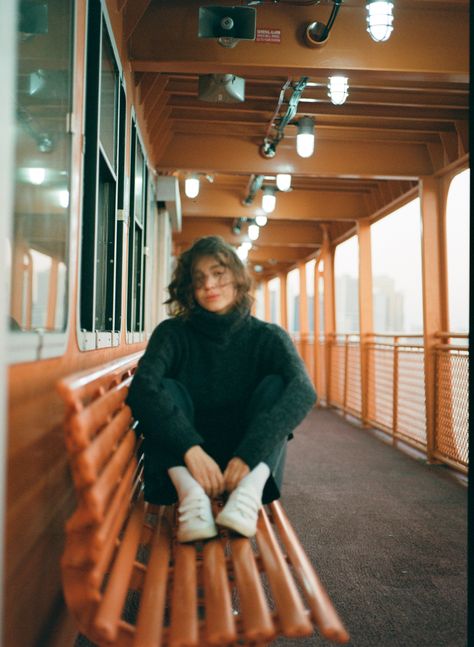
246, 503
193, 508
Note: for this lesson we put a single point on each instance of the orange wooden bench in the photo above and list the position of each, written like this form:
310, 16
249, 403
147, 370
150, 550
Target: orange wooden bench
128, 582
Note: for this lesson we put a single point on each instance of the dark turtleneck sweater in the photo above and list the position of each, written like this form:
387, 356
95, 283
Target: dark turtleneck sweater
220, 359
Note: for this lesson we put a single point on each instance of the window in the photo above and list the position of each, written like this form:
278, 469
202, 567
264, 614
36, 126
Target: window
457, 245
136, 239
346, 273
293, 300
103, 202
396, 271
39, 248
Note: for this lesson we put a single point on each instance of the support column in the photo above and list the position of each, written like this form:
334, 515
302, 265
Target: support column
365, 314
266, 300
327, 256
318, 357
303, 313
283, 302
433, 207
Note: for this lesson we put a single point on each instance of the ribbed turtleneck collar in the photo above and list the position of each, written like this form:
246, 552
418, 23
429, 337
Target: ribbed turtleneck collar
217, 326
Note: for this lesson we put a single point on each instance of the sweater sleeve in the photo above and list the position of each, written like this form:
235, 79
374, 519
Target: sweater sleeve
271, 426
151, 404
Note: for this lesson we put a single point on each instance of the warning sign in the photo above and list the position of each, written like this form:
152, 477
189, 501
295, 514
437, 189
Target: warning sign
268, 36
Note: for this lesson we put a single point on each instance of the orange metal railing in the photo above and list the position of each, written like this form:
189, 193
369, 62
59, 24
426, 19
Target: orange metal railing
451, 397
395, 378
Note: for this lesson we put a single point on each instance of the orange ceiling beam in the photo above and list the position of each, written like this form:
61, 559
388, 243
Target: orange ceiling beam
425, 43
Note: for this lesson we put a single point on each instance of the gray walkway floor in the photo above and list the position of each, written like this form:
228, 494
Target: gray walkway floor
387, 534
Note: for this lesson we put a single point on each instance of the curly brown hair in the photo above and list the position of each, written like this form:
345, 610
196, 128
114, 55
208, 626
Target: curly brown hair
181, 300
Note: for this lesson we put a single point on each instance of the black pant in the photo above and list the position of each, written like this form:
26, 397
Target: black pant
158, 486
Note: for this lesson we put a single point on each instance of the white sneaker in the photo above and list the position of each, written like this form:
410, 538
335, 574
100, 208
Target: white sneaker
240, 513
195, 517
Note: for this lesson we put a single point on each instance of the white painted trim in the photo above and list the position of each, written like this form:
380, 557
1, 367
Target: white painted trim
8, 38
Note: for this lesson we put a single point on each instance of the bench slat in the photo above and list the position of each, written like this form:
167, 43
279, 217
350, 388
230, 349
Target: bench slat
85, 384
256, 617
88, 464
85, 424
98, 496
149, 631
220, 625
322, 609
111, 606
184, 628
292, 615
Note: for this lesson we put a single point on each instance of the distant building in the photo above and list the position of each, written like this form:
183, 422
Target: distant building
347, 304
388, 305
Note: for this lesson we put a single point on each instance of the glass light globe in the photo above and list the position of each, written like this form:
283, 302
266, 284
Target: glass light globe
283, 181
191, 187
305, 144
261, 220
268, 201
254, 232
379, 20
242, 252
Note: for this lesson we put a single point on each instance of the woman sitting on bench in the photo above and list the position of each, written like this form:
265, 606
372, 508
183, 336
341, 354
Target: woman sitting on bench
217, 394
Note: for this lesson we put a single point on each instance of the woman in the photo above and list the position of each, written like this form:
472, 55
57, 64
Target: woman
217, 394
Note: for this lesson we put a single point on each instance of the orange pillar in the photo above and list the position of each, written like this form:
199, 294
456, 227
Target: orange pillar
433, 207
317, 355
365, 313
303, 308
266, 301
327, 256
283, 302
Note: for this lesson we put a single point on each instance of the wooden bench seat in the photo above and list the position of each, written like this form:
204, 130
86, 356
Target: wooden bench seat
127, 580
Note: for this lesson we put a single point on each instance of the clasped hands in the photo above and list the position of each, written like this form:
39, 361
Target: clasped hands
208, 473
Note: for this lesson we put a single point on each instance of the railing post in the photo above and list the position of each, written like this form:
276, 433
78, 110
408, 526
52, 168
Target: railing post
365, 311
395, 391
346, 356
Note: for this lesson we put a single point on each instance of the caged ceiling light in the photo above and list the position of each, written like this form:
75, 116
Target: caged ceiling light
338, 89
283, 181
305, 137
261, 220
379, 19
191, 186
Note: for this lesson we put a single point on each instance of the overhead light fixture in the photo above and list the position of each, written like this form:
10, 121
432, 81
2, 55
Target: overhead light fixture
191, 186
268, 199
379, 19
242, 252
63, 198
338, 89
283, 181
305, 137
253, 231
36, 175
261, 220
247, 245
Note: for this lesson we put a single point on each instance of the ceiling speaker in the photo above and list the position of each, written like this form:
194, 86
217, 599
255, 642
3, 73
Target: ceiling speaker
227, 22
221, 88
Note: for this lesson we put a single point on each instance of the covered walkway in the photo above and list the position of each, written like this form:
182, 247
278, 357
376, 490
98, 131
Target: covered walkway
386, 532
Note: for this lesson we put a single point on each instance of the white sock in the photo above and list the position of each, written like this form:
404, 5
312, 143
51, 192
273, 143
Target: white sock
256, 479
183, 481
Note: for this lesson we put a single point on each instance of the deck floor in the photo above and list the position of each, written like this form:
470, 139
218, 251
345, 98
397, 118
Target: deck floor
386, 532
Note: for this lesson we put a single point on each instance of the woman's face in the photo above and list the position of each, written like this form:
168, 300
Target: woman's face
213, 285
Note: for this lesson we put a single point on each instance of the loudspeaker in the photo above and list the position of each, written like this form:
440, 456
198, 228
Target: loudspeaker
227, 22
221, 88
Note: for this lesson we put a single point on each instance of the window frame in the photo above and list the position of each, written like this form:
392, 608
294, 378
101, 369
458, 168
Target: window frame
135, 224
96, 168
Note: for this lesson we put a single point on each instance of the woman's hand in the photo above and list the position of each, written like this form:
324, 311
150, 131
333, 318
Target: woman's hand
205, 470
234, 472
